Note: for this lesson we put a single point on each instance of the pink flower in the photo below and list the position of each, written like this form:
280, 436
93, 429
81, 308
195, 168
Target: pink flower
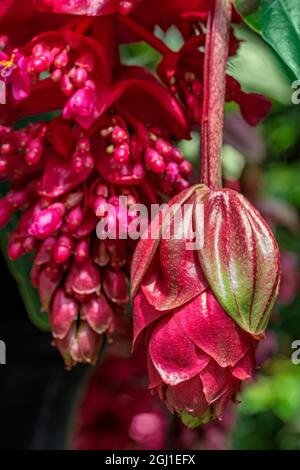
202, 310
13, 70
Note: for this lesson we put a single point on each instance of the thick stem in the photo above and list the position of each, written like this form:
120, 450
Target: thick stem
216, 54
144, 34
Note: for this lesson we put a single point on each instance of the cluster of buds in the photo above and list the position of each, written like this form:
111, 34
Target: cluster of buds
129, 156
82, 278
25, 144
71, 71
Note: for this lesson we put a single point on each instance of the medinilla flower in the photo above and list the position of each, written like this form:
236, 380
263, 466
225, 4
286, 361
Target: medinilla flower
13, 71
204, 309
61, 178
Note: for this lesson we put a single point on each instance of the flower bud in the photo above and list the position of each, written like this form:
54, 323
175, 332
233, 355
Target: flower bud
98, 313
115, 286
47, 221
84, 278
63, 314
240, 259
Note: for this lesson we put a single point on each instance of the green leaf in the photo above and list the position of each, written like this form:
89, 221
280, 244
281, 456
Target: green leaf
20, 270
258, 68
278, 22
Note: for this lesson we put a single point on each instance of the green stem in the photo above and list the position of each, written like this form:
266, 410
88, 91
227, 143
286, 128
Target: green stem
216, 54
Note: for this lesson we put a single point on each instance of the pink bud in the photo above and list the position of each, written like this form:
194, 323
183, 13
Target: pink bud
73, 199
63, 249
50, 278
154, 161
61, 60
84, 278
89, 343
88, 161
39, 64
56, 75
139, 171
172, 172
68, 348
101, 253
176, 155
45, 251
121, 154
6, 149
14, 249
182, 184
47, 221
6, 212
82, 103
29, 244
119, 135
34, 152
100, 205
82, 250
102, 190
63, 314
80, 76
118, 253
17, 199
77, 162
74, 218
185, 168
83, 145
115, 286
98, 313
66, 85
163, 147
3, 166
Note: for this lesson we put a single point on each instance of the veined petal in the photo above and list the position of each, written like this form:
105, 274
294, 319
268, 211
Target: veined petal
206, 324
173, 354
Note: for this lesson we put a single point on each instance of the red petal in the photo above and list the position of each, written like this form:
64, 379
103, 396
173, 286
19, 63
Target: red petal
188, 396
144, 314
204, 321
214, 379
149, 243
155, 379
244, 369
59, 177
174, 356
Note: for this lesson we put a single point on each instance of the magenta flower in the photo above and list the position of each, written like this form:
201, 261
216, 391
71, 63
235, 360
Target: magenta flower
198, 370
13, 70
183, 300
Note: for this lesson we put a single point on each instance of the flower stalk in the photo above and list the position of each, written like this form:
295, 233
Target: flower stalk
216, 54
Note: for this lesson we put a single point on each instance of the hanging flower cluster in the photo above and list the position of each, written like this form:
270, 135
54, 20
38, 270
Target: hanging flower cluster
80, 129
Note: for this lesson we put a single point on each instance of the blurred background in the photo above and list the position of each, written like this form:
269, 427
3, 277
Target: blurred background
109, 407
